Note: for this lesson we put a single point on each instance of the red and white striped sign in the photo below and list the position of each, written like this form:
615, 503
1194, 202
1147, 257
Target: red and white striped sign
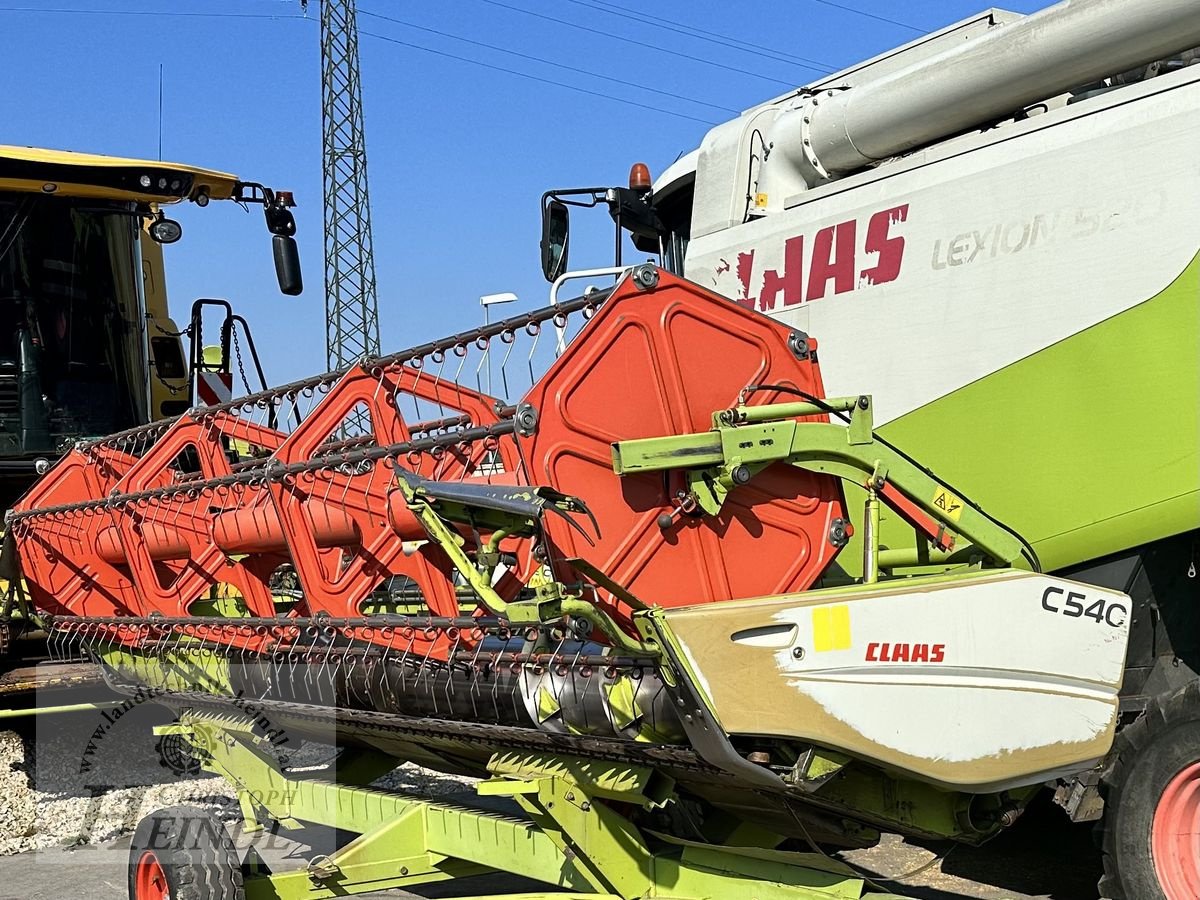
214, 387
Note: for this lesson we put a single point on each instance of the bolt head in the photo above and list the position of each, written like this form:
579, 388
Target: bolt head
645, 277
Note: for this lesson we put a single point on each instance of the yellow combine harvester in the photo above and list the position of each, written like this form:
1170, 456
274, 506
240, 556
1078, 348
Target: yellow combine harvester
87, 342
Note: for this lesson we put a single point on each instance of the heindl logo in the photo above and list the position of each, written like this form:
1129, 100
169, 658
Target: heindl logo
832, 258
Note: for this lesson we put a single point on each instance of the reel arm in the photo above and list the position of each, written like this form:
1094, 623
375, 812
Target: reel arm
745, 440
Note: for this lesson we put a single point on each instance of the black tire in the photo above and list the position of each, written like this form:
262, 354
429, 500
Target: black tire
193, 853
1148, 755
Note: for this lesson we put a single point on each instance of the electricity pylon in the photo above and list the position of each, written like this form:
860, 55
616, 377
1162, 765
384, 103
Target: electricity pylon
351, 306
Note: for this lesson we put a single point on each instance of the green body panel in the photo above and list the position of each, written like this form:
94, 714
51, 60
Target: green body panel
1086, 448
569, 836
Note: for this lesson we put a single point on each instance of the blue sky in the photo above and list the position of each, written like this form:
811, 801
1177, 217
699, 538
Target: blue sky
458, 153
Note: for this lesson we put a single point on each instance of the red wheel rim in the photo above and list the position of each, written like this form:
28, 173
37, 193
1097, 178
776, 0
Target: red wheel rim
1175, 836
150, 881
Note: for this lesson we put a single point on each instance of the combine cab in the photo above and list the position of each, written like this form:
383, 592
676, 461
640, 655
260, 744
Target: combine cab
87, 345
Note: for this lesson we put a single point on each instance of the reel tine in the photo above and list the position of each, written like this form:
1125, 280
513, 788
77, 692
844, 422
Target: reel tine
484, 360
535, 331
405, 660
508, 337
425, 674
474, 675
389, 688
309, 657
573, 676
274, 661
329, 667
54, 646
450, 654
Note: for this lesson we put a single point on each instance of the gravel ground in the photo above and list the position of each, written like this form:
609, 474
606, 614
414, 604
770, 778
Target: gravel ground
57, 794
65, 801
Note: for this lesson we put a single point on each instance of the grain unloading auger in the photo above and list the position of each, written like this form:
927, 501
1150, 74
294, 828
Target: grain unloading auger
614, 597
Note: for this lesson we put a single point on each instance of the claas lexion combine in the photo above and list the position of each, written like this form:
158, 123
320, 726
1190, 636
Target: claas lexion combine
602, 599
694, 598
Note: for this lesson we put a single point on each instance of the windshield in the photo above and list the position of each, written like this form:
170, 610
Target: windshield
675, 212
72, 354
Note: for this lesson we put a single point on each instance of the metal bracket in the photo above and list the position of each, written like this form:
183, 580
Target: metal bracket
840, 532
526, 418
646, 277
746, 439
798, 343
810, 153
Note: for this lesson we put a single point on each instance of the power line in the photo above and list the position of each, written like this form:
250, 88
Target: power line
863, 12
543, 60
148, 12
382, 37
686, 30
526, 75
655, 47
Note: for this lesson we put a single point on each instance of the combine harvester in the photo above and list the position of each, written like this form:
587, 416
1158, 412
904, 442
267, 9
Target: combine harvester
546, 595
671, 594
87, 343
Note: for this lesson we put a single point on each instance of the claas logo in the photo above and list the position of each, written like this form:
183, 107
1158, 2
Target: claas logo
834, 260
886, 652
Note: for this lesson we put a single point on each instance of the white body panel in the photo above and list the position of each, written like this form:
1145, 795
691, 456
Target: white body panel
983, 684
1007, 244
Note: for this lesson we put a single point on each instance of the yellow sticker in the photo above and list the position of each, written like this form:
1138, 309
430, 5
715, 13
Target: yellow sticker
760, 200
831, 628
949, 504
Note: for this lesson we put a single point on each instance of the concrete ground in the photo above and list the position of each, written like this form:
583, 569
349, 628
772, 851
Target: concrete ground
1041, 859
98, 873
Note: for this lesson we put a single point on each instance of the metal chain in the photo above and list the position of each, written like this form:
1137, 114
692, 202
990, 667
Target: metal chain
185, 333
241, 366
172, 389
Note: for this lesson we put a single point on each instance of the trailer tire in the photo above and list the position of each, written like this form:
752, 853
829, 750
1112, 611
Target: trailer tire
1151, 785
184, 853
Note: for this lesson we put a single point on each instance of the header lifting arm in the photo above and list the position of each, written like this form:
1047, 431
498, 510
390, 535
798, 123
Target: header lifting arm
745, 440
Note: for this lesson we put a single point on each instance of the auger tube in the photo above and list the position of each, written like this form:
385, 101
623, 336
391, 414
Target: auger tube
1067, 45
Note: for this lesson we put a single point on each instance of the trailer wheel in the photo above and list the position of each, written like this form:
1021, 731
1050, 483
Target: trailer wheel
1151, 827
183, 853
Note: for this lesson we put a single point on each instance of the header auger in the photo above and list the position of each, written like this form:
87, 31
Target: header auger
580, 583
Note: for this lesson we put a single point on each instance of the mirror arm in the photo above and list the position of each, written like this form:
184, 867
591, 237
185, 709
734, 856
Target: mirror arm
275, 205
595, 196
282, 225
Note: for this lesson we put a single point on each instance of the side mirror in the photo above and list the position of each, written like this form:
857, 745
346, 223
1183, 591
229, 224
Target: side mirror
287, 264
556, 238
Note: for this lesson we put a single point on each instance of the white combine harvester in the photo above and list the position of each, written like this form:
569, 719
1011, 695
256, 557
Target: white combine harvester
995, 229
623, 592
